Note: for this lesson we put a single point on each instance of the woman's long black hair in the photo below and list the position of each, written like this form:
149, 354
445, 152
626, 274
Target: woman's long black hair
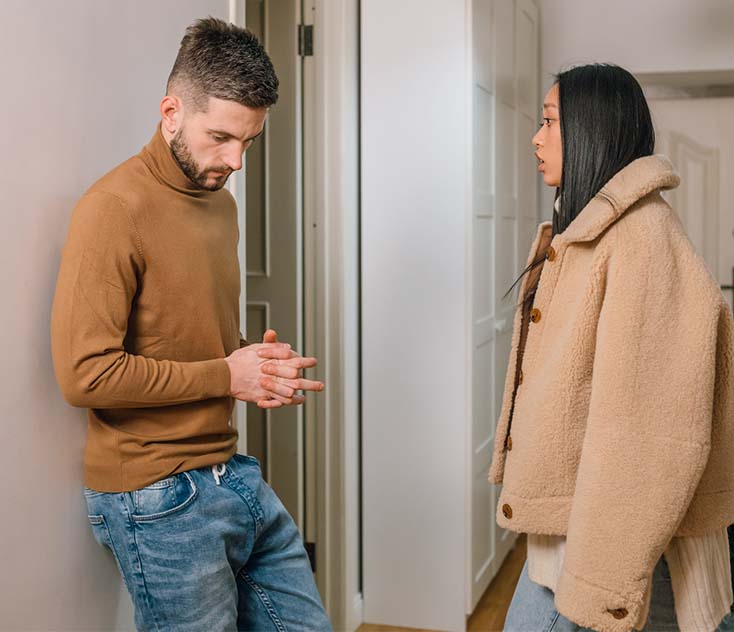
605, 125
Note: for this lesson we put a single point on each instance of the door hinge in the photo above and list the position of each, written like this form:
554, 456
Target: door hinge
311, 552
305, 40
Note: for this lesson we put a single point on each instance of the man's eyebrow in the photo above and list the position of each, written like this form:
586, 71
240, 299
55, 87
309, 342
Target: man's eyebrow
228, 135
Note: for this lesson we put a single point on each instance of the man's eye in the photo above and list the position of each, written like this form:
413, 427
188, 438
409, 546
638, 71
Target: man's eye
219, 139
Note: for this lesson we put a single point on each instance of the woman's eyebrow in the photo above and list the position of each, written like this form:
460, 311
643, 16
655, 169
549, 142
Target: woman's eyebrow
550, 105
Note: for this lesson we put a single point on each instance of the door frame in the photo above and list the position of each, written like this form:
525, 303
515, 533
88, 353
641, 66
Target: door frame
331, 248
330, 133
697, 84
237, 185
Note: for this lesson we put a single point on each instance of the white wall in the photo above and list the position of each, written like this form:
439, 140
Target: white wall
415, 318
81, 81
652, 36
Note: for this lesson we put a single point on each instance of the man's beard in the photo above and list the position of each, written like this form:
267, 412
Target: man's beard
197, 175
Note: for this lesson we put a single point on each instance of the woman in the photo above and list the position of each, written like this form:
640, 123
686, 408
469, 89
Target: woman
615, 443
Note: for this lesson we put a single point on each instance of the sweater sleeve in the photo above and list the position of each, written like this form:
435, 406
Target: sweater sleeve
101, 265
648, 429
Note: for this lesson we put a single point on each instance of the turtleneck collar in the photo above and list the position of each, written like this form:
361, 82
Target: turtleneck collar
158, 157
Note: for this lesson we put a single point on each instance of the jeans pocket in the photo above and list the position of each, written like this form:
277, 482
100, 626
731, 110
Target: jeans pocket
163, 498
101, 533
100, 530
246, 459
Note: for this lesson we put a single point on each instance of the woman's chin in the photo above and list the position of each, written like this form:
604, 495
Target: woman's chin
550, 180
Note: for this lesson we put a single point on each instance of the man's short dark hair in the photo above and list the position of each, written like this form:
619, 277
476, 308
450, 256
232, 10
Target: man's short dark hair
221, 60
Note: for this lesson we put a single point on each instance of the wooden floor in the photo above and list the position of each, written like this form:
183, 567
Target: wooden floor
489, 615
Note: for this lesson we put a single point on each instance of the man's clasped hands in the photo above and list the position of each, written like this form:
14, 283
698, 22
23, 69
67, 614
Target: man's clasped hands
270, 373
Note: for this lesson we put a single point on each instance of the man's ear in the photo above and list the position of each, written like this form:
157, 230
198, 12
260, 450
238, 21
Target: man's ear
171, 114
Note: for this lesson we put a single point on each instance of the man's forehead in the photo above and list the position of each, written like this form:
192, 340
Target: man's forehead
231, 117
225, 107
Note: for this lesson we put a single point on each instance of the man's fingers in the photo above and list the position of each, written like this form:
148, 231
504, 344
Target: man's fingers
276, 388
302, 363
269, 403
299, 384
294, 361
275, 353
270, 336
277, 401
296, 400
281, 370
279, 349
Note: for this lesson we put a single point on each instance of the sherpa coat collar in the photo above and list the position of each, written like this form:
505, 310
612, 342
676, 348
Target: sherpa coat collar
617, 424
651, 173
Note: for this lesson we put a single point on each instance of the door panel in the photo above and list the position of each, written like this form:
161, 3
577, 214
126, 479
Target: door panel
273, 259
693, 133
505, 78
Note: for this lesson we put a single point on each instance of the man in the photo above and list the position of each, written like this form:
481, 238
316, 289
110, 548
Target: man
145, 334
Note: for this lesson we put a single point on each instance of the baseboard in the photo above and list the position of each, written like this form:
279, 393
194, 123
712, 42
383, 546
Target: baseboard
356, 616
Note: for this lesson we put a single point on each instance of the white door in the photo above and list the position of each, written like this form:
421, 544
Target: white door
695, 133
272, 262
505, 200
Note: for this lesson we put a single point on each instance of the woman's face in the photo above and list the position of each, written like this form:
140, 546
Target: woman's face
547, 141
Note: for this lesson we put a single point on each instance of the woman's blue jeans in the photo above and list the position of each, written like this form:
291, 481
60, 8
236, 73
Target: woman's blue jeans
208, 551
532, 608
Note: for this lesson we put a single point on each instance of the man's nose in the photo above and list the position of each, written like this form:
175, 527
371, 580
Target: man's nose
233, 161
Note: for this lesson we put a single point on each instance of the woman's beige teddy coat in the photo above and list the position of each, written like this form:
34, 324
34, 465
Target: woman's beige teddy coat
620, 433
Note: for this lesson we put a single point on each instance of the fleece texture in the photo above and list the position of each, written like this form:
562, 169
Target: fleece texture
146, 309
619, 433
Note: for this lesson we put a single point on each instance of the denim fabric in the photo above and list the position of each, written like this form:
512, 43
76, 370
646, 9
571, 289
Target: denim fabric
533, 610
197, 556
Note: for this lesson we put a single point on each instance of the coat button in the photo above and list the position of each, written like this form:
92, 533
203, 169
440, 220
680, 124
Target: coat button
619, 613
550, 254
508, 444
535, 315
507, 511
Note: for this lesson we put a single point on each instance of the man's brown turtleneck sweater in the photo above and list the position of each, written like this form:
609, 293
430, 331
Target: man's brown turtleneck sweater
146, 308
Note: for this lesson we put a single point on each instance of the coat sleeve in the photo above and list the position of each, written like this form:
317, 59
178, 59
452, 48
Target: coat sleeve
648, 429
98, 279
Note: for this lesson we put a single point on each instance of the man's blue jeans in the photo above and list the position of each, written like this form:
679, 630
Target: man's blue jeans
208, 550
